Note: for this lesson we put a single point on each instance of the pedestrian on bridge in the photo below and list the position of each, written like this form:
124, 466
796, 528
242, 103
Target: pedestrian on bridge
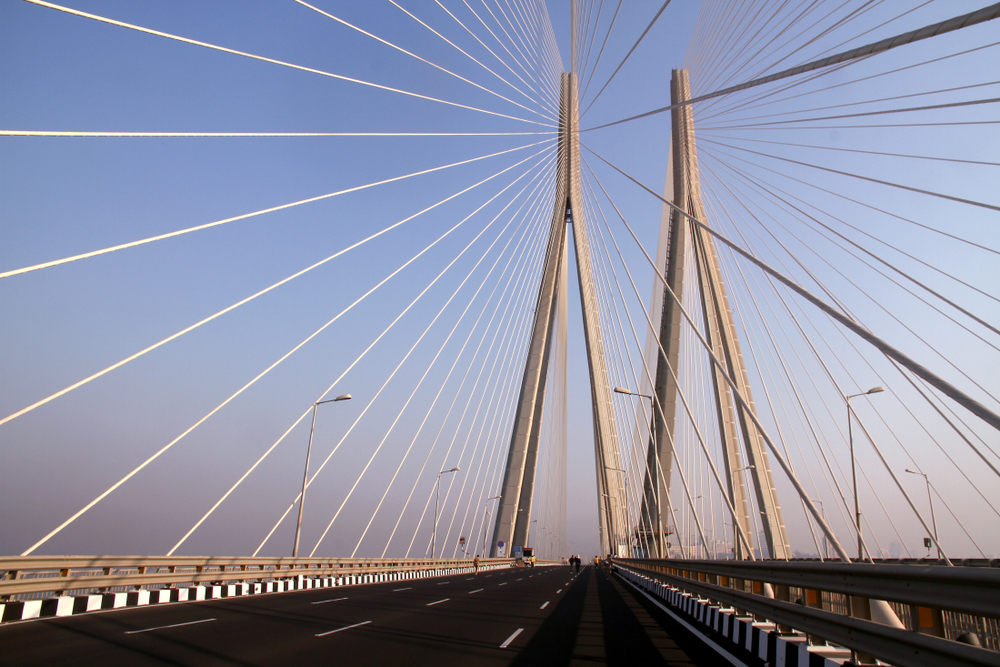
475, 564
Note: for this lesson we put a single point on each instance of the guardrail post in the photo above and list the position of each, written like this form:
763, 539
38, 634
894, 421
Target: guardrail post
861, 608
782, 592
927, 620
814, 599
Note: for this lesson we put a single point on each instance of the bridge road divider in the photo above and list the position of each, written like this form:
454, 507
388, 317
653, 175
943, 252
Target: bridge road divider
45, 586
781, 632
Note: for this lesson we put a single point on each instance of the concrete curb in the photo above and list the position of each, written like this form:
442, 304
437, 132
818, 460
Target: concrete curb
760, 639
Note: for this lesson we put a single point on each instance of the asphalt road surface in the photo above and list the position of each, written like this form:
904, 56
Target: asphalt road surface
526, 616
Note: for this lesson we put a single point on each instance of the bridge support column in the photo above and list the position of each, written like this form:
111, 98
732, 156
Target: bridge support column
514, 512
739, 436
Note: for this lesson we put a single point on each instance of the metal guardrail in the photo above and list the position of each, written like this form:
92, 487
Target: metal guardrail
38, 576
829, 601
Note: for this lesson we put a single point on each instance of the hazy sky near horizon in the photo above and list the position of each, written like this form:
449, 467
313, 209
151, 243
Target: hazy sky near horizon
63, 196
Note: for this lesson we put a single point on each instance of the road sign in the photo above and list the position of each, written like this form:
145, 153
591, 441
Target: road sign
500, 543
461, 541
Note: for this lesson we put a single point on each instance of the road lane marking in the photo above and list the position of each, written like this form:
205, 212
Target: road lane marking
470, 578
558, 591
511, 638
325, 601
521, 579
442, 583
504, 583
431, 604
476, 591
348, 627
544, 605
164, 627
408, 588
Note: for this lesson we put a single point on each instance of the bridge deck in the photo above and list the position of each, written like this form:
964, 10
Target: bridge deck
541, 616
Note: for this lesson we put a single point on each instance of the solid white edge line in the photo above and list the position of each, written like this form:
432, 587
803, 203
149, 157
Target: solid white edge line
512, 637
718, 649
325, 601
431, 604
348, 627
545, 605
164, 627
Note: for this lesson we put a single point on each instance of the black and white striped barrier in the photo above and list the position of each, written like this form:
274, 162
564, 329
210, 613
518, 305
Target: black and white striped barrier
759, 639
69, 605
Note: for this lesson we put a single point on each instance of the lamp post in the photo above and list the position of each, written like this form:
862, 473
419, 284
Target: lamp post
658, 539
737, 550
305, 475
437, 498
823, 510
486, 516
931, 503
854, 471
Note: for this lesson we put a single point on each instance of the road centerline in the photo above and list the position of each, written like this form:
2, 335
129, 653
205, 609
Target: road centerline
346, 627
164, 627
512, 638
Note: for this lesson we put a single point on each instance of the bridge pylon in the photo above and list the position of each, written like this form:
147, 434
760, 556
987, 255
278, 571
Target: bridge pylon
514, 513
740, 439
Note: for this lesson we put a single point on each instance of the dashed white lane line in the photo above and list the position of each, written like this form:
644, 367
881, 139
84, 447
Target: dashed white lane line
558, 591
521, 579
504, 583
164, 627
325, 601
396, 590
442, 583
347, 627
476, 591
544, 605
511, 638
431, 604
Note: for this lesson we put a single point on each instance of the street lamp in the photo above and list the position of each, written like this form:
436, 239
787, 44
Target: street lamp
854, 472
486, 506
931, 503
658, 539
437, 498
305, 475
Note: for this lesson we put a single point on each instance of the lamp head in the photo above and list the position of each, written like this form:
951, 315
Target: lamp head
343, 397
619, 390
875, 390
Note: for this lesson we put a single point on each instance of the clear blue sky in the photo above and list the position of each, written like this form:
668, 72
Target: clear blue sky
64, 196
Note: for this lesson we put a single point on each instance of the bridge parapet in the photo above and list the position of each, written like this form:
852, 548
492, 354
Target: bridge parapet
826, 603
32, 577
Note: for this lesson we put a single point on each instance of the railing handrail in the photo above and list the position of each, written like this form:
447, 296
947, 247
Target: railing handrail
897, 646
971, 590
21, 575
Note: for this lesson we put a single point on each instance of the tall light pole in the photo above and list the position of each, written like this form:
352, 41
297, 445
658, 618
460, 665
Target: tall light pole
486, 516
658, 538
931, 503
737, 549
437, 498
823, 510
305, 475
854, 471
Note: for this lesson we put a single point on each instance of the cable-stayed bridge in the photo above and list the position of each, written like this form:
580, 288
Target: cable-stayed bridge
220, 224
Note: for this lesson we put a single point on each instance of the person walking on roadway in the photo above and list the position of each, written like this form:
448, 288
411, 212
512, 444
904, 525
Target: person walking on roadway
475, 564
